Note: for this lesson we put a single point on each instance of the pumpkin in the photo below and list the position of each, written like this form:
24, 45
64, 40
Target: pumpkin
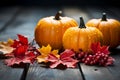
50, 30
110, 29
81, 37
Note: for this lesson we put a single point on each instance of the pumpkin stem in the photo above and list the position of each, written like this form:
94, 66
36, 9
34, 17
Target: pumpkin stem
104, 17
57, 16
82, 24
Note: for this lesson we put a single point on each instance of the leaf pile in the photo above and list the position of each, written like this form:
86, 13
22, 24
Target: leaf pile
66, 59
23, 52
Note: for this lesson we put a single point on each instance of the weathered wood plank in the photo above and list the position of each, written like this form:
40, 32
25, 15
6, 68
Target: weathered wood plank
8, 73
96, 73
7, 15
36, 72
115, 69
26, 21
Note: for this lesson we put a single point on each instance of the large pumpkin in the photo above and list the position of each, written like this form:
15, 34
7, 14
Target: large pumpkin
50, 30
110, 29
81, 37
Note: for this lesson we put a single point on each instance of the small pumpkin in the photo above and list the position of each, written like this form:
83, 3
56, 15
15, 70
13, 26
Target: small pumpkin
50, 30
110, 29
81, 37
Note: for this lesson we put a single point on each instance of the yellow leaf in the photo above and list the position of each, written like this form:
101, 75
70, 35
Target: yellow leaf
5, 46
41, 58
55, 52
45, 51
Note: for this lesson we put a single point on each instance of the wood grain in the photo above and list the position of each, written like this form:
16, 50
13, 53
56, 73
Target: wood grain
8, 73
41, 73
25, 22
96, 73
115, 69
7, 15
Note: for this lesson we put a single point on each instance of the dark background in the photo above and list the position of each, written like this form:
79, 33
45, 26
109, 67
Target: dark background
59, 2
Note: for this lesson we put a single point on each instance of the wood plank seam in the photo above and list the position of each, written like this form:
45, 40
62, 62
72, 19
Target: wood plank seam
23, 77
81, 71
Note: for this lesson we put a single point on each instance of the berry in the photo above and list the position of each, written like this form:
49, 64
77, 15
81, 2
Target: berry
98, 58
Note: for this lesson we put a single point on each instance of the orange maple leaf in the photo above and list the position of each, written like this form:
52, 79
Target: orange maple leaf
45, 51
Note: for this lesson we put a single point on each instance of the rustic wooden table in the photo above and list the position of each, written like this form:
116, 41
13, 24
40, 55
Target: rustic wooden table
22, 20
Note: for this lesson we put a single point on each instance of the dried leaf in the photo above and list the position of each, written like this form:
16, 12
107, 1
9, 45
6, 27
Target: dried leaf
23, 39
97, 48
22, 53
18, 60
45, 51
5, 47
66, 59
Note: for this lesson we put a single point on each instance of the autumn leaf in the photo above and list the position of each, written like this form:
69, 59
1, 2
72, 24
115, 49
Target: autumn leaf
23, 39
23, 52
29, 58
5, 47
66, 59
100, 55
45, 51
97, 48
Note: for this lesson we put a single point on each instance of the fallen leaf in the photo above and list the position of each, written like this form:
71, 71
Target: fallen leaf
45, 51
66, 59
5, 47
97, 48
18, 60
23, 52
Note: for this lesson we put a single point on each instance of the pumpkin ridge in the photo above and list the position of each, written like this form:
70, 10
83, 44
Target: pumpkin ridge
78, 40
114, 37
110, 29
82, 24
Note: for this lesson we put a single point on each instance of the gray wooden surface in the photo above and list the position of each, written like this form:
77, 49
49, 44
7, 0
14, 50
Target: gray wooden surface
22, 20
8, 73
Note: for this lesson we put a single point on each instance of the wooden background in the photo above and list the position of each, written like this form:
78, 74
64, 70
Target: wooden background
23, 19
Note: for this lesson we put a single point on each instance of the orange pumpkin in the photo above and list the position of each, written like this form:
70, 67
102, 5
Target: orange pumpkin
50, 30
110, 29
81, 37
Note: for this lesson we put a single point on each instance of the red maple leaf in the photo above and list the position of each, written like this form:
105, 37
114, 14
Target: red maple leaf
17, 60
100, 55
20, 51
23, 39
66, 59
97, 48
23, 52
